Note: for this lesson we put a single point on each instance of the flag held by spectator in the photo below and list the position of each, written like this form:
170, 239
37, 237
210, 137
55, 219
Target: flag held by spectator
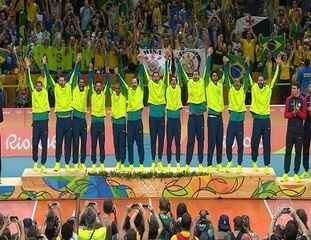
191, 59
260, 25
272, 44
236, 66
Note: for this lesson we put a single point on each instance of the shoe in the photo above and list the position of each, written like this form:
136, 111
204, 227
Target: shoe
94, 168
284, 178
219, 168
169, 168
67, 168
122, 168
57, 167
297, 178
178, 168
154, 165
239, 169
160, 166
267, 170
76, 167
210, 169
305, 174
187, 169
101, 168
118, 166
82, 167
200, 168
43, 169
141, 168
130, 168
35, 167
228, 167
255, 166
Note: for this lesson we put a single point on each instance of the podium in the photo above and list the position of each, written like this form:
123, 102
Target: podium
249, 184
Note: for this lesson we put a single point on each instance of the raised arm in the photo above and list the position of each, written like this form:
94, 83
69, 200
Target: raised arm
123, 85
246, 76
182, 76
208, 66
29, 79
90, 78
276, 73
48, 76
73, 76
225, 75
166, 75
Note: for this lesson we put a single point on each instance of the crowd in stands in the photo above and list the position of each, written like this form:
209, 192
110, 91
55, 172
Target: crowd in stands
109, 33
142, 221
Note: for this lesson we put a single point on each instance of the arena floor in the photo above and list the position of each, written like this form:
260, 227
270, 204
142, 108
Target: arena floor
259, 211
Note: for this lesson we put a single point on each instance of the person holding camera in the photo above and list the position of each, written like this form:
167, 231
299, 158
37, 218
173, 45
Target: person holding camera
186, 232
91, 227
294, 228
202, 227
295, 112
5, 225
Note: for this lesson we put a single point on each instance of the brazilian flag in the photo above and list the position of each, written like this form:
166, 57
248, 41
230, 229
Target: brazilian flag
236, 66
272, 44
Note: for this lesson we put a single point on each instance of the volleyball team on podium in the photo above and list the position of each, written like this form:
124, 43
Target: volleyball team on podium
204, 92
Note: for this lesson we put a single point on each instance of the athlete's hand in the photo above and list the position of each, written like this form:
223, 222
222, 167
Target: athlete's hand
279, 60
27, 62
79, 57
44, 59
225, 59
210, 51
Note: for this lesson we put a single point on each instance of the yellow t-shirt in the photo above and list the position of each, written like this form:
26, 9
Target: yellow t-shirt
248, 48
99, 234
112, 59
99, 60
32, 10
285, 74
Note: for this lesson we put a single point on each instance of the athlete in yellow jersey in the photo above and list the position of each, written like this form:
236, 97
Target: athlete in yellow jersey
40, 118
173, 125
135, 130
260, 109
98, 113
118, 116
80, 91
197, 106
237, 109
156, 101
63, 110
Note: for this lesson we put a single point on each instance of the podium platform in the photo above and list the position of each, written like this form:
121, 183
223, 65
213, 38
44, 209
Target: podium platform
249, 184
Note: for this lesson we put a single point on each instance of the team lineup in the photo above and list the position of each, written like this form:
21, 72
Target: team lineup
205, 93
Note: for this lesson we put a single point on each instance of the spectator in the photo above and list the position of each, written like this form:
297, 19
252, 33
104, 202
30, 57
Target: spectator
248, 45
166, 218
224, 229
203, 228
110, 217
304, 76
90, 227
185, 225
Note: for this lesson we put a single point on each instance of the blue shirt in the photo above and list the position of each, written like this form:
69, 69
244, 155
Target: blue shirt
304, 78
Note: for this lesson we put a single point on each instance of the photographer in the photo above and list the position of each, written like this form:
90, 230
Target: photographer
5, 224
52, 225
224, 228
133, 220
110, 217
91, 227
185, 225
202, 227
289, 232
166, 218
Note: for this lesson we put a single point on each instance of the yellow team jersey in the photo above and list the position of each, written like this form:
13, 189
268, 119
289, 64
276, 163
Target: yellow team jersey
248, 48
